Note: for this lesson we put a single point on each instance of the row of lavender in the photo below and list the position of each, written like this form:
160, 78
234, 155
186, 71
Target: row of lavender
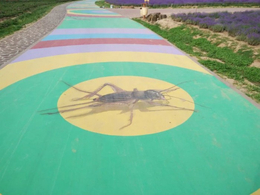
245, 26
181, 2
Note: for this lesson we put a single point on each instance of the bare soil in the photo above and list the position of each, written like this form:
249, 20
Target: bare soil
256, 63
230, 42
167, 23
225, 41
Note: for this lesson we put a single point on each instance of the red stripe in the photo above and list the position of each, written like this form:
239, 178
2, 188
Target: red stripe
58, 43
94, 16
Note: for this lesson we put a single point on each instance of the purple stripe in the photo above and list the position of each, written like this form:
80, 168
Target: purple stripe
100, 31
45, 52
100, 12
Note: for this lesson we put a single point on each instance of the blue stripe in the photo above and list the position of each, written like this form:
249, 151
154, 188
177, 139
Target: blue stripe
93, 36
93, 12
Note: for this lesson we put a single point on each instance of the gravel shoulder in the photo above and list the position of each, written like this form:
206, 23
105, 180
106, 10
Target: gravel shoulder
20, 41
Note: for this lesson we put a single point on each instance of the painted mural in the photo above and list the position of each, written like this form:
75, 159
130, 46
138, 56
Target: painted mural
103, 105
171, 105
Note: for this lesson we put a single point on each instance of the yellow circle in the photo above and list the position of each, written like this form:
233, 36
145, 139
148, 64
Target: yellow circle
111, 119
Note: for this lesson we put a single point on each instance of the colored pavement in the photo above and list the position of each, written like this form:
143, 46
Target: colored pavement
203, 139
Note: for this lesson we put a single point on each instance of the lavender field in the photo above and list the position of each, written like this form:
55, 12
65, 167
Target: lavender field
245, 26
182, 2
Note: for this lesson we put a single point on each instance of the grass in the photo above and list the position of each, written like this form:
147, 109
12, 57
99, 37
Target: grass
103, 4
14, 15
222, 60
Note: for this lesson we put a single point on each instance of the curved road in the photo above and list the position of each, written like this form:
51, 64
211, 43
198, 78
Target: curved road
67, 105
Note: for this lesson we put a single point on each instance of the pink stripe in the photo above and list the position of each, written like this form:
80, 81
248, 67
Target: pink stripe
93, 16
68, 31
57, 43
52, 51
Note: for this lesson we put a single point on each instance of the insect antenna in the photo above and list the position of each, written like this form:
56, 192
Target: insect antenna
186, 101
172, 88
166, 95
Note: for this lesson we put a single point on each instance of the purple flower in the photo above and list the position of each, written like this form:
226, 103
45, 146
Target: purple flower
253, 38
178, 2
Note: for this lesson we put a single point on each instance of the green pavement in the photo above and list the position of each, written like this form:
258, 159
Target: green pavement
213, 150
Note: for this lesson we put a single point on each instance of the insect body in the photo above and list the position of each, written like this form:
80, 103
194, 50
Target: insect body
119, 97
115, 97
130, 95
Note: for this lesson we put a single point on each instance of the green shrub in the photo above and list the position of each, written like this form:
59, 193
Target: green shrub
178, 19
203, 25
253, 40
189, 21
241, 38
217, 28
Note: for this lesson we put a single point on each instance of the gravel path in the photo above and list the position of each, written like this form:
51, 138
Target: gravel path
133, 13
18, 42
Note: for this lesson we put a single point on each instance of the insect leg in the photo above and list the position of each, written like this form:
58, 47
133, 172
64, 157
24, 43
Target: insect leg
131, 114
105, 105
78, 88
68, 110
115, 88
67, 106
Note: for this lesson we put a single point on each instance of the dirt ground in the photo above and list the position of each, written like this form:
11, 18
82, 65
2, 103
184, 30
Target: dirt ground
230, 42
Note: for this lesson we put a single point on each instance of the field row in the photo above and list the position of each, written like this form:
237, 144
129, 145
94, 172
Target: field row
245, 26
183, 2
225, 60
